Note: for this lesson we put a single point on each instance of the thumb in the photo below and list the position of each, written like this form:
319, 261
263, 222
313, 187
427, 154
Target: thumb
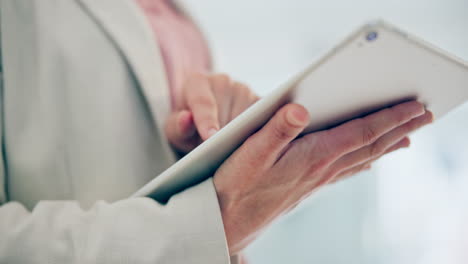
181, 131
270, 141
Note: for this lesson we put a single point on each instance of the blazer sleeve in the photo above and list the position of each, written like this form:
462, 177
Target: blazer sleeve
188, 229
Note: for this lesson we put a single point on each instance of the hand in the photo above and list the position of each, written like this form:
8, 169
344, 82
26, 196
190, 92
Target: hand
207, 103
273, 171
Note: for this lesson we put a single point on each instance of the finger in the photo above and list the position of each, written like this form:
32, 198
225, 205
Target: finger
382, 144
180, 125
180, 130
186, 126
202, 103
285, 126
242, 100
361, 132
223, 91
403, 143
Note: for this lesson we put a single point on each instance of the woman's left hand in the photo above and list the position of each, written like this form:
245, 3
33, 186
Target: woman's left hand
207, 103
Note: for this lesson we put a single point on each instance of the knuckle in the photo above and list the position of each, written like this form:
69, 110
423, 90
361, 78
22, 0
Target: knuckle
283, 129
376, 149
321, 164
250, 146
221, 78
204, 100
192, 84
219, 88
399, 116
241, 86
347, 146
282, 132
369, 134
242, 89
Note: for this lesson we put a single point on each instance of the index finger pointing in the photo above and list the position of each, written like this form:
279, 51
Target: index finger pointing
202, 103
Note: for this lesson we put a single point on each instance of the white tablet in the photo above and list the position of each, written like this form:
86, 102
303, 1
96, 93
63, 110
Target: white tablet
375, 67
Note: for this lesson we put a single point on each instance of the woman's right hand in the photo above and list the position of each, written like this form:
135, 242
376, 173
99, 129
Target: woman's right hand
273, 171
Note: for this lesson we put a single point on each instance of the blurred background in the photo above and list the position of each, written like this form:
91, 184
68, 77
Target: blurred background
413, 206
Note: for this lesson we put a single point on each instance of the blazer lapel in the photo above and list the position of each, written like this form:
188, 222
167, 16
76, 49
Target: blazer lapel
126, 25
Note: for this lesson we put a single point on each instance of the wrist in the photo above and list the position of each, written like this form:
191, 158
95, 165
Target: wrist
233, 219
241, 218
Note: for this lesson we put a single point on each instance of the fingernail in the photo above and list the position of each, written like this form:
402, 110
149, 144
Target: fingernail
418, 109
297, 117
211, 132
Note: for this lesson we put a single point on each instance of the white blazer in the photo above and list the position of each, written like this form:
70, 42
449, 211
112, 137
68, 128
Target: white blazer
84, 97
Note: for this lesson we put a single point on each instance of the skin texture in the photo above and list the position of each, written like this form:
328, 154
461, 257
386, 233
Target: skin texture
208, 103
274, 169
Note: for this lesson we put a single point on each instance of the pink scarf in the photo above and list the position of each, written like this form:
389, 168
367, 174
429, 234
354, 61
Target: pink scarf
182, 45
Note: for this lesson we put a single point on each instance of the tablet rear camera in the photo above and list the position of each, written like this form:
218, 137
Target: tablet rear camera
371, 36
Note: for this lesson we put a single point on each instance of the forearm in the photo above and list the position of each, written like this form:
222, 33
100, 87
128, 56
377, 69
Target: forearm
135, 230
